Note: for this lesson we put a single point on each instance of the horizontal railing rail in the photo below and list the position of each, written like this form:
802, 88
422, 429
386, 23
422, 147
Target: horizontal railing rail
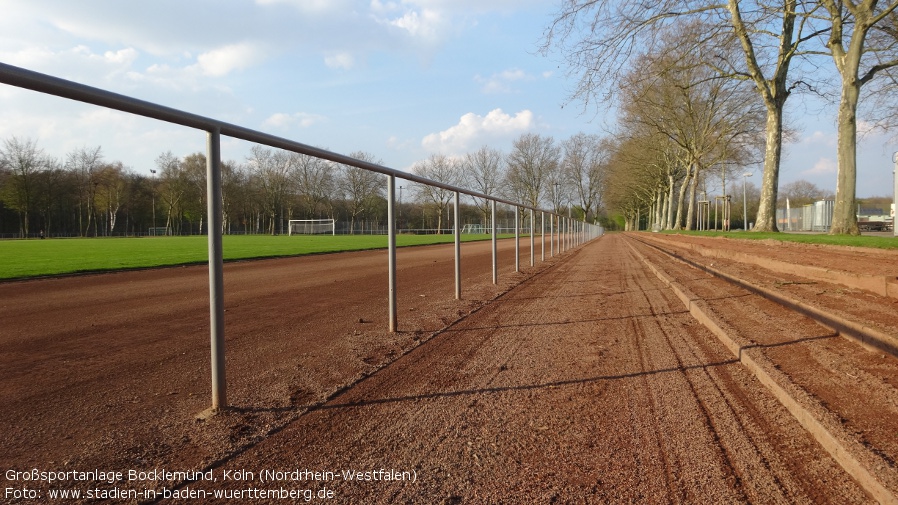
569, 233
36, 81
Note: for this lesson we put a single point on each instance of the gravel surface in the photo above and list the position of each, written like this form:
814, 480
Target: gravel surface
583, 380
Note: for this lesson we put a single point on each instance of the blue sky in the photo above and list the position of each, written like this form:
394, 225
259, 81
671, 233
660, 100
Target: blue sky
399, 79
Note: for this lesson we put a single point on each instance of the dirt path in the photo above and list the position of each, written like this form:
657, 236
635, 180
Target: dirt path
587, 382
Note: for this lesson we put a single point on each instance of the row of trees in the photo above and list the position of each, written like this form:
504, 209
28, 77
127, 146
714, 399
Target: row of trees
708, 86
86, 195
538, 171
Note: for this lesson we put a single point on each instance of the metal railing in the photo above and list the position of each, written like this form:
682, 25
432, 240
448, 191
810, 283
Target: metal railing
570, 233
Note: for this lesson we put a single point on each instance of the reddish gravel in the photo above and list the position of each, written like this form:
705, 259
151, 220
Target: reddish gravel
583, 380
852, 391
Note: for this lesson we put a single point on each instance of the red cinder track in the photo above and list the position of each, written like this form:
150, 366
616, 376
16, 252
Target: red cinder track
583, 379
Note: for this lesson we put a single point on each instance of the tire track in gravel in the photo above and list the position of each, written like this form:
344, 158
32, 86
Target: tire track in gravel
715, 397
661, 351
666, 334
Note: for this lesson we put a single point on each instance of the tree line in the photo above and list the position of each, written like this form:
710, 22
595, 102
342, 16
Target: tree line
88, 196
703, 87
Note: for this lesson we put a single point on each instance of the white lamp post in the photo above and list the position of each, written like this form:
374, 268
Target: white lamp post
154, 199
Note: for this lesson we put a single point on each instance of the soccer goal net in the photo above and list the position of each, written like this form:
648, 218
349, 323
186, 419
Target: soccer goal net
311, 227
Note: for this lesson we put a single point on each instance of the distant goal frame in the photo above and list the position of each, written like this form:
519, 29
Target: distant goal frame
312, 227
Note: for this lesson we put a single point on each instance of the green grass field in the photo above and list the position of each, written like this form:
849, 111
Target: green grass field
20, 259
804, 238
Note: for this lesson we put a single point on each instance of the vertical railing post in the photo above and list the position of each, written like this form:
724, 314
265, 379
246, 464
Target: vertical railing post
391, 250
570, 235
552, 235
567, 234
216, 269
560, 234
532, 238
517, 240
457, 247
542, 234
495, 256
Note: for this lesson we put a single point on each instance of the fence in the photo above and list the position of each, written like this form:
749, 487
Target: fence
570, 233
817, 216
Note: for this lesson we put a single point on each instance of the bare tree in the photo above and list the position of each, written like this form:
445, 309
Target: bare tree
712, 121
802, 192
598, 38
438, 168
273, 172
315, 182
233, 183
633, 180
483, 171
193, 167
360, 188
84, 163
531, 161
24, 161
110, 193
585, 164
173, 185
859, 58
558, 189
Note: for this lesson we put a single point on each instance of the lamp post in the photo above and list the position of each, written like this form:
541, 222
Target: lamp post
745, 177
154, 200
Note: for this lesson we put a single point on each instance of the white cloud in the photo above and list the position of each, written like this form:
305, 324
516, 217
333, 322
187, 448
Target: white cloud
78, 62
121, 57
302, 119
820, 138
224, 60
821, 167
425, 24
473, 130
338, 59
303, 5
421, 20
501, 82
398, 144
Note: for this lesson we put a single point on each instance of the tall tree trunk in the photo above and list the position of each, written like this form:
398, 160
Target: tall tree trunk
844, 212
668, 222
678, 225
690, 215
766, 219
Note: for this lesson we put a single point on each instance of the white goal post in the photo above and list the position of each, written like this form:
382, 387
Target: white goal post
311, 227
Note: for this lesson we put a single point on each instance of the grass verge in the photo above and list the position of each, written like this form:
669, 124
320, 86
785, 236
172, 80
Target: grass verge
804, 238
22, 259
